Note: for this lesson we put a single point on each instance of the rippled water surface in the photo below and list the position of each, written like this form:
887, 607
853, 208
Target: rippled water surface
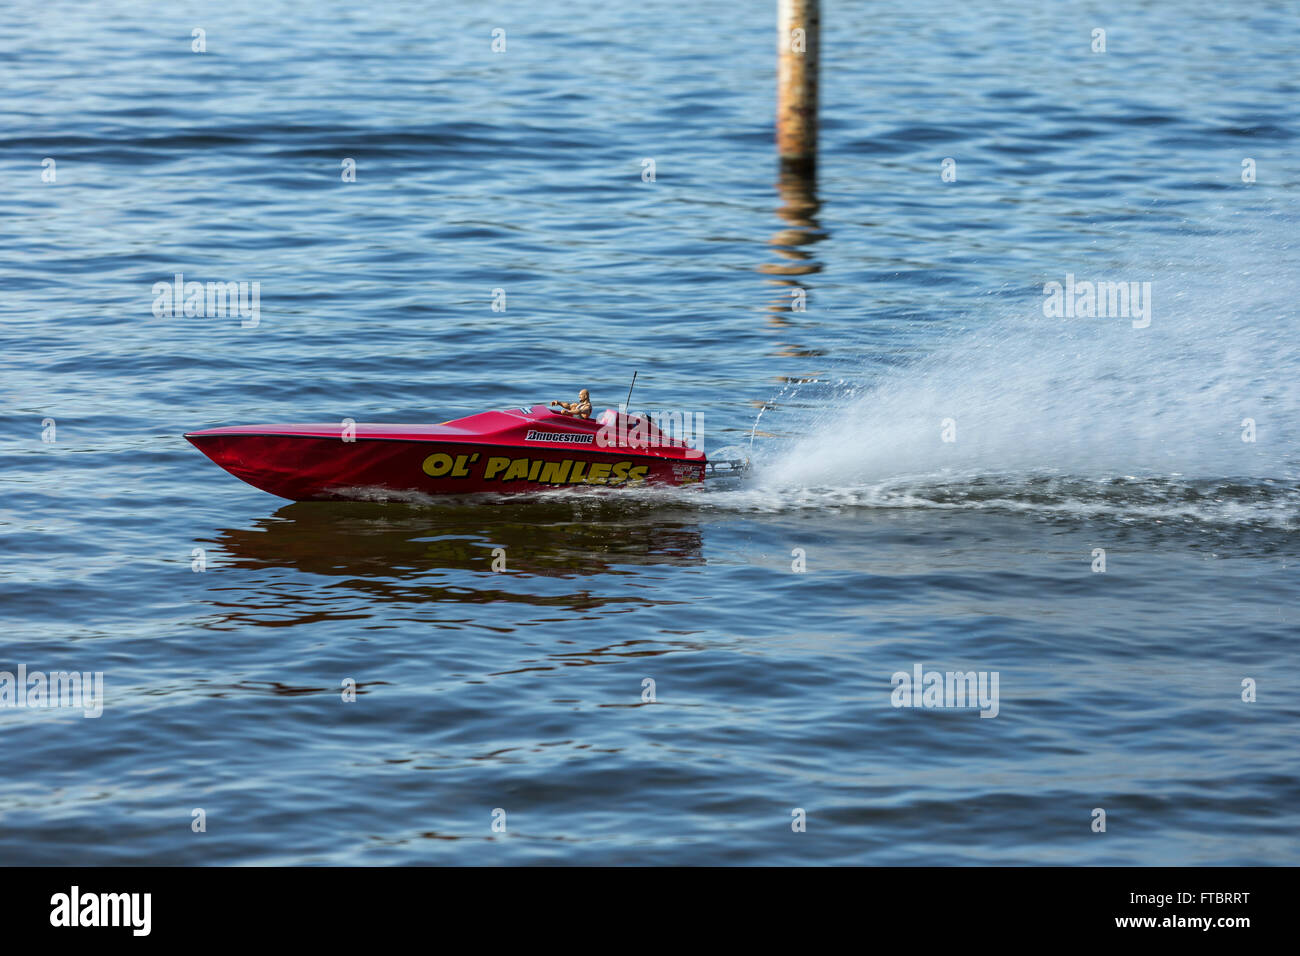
942, 459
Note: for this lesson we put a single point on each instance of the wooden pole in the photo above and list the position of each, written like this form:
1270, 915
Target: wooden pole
798, 50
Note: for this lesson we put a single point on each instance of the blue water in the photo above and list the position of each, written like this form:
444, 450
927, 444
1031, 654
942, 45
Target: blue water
521, 690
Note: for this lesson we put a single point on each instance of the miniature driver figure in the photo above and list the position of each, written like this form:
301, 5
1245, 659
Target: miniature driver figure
579, 409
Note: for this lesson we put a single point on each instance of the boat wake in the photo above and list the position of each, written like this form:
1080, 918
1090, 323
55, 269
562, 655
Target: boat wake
1193, 418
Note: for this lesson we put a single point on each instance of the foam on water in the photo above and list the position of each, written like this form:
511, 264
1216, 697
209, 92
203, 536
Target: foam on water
1076, 414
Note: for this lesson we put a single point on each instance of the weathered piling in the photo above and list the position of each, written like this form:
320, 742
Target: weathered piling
798, 50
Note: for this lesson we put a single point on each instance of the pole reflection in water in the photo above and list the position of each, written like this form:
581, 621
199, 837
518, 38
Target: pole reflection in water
799, 208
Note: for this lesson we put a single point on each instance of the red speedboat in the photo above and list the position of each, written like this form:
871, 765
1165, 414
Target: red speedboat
516, 450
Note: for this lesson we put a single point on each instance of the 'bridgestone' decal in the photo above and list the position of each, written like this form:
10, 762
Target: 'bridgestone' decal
568, 438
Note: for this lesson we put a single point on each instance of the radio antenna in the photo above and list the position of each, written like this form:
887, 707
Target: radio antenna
627, 406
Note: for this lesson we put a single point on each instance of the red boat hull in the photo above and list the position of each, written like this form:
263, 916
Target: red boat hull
495, 452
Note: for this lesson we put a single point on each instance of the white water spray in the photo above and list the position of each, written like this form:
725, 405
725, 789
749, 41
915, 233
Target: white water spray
1207, 392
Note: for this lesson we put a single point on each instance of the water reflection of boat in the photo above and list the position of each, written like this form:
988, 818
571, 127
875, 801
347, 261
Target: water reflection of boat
540, 536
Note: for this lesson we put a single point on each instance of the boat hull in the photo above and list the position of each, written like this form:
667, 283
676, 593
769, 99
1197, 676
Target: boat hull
311, 468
